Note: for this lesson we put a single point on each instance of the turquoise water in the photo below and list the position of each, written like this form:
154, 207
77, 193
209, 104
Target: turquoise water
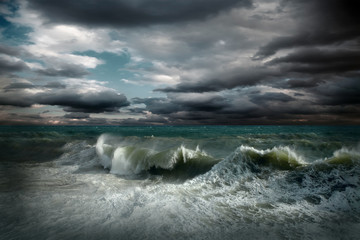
183, 182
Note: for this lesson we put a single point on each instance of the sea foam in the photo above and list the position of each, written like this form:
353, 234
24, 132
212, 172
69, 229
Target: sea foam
124, 159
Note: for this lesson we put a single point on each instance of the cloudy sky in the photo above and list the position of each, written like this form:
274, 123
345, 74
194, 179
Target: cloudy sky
146, 62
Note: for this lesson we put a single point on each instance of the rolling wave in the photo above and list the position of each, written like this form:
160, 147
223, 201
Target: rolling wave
126, 158
185, 182
177, 163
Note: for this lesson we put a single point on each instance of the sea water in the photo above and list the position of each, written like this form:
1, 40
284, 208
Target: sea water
180, 182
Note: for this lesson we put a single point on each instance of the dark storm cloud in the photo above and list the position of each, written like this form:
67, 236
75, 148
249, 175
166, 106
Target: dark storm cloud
316, 61
219, 62
21, 119
27, 116
186, 103
129, 12
344, 91
27, 85
70, 99
205, 108
271, 96
66, 70
325, 42
211, 104
7, 66
158, 105
303, 83
18, 101
67, 119
239, 77
104, 101
149, 120
257, 107
286, 113
77, 115
319, 38
19, 85
318, 56
321, 22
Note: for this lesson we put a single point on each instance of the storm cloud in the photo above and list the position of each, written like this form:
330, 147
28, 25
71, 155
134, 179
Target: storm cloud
131, 13
181, 62
9, 65
237, 77
70, 99
322, 22
316, 61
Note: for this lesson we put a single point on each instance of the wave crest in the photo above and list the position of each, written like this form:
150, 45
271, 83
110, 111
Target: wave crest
345, 156
176, 163
282, 158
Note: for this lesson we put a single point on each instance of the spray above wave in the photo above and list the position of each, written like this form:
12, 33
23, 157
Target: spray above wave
178, 163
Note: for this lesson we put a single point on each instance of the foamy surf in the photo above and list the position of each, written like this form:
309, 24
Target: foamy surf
184, 183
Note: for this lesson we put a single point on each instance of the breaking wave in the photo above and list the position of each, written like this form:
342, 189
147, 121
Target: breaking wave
176, 163
184, 183
247, 160
282, 158
128, 158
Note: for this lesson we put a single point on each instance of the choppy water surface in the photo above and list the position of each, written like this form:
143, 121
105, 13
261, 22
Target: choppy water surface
218, 182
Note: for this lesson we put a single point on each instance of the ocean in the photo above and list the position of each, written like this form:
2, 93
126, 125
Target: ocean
180, 182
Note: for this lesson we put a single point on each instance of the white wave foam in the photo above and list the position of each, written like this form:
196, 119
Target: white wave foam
290, 153
354, 152
132, 160
129, 161
284, 204
104, 151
